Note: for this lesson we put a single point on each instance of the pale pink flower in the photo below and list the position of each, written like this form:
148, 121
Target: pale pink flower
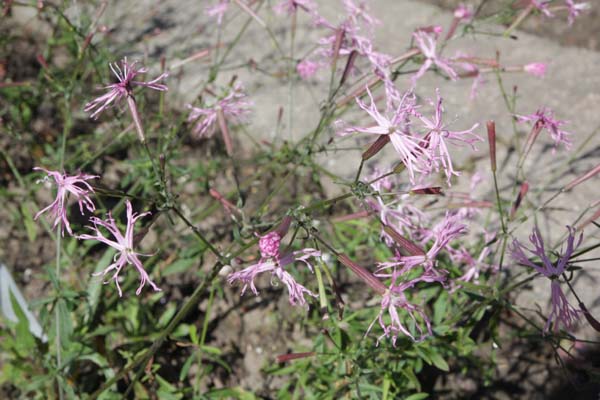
307, 69
235, 108
75, 185
275, 264
404, 318
394, 124
123, 243
355, 32
358, 13
544, 118
447, 230
470, 70
536, 69
575, 9
124, 87
562, 311
397, 213
542, 6
437, 136
291, 6
427, 44
218, 10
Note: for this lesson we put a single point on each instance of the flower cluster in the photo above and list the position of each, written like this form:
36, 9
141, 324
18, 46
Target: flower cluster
78, 187
422, 147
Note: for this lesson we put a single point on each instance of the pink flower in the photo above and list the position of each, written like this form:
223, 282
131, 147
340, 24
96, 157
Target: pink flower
562, 311
77, 186
544, 118
358, 13
275, 264
398, 213
394, 124
427, 44
291, 6
575, 9
442, 234
463, 12
536, 69
542, 6
123, 244
269, 245
234, 106
307, 69
438, 134
124, 87
395, 303
218, 10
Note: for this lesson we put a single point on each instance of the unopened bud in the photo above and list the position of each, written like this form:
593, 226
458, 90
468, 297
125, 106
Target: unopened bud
225, 271
519, 199
491, 131
376, 147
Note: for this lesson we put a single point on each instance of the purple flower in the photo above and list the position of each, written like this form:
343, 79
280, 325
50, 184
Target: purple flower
544, 118
77, 186
275, 263
218, 10
395, 124
575, 9
124, 87
426, 42
234, 107
124, 245
562, 311
536, 69
437, 136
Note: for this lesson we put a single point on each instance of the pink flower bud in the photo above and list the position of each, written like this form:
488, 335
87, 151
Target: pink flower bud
269, 245
536, 69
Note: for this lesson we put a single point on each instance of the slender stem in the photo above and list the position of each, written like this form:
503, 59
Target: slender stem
360, 167
211, 297
499, 203
291, 79
520, 18
57, 313
199, 234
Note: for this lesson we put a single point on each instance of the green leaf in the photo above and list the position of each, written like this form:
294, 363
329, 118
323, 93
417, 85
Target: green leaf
94, 286
194, 334
30, 225
230, 393
64, 322
179, 266
167, 315
417, 396
24, 340
186, 367
439, 362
